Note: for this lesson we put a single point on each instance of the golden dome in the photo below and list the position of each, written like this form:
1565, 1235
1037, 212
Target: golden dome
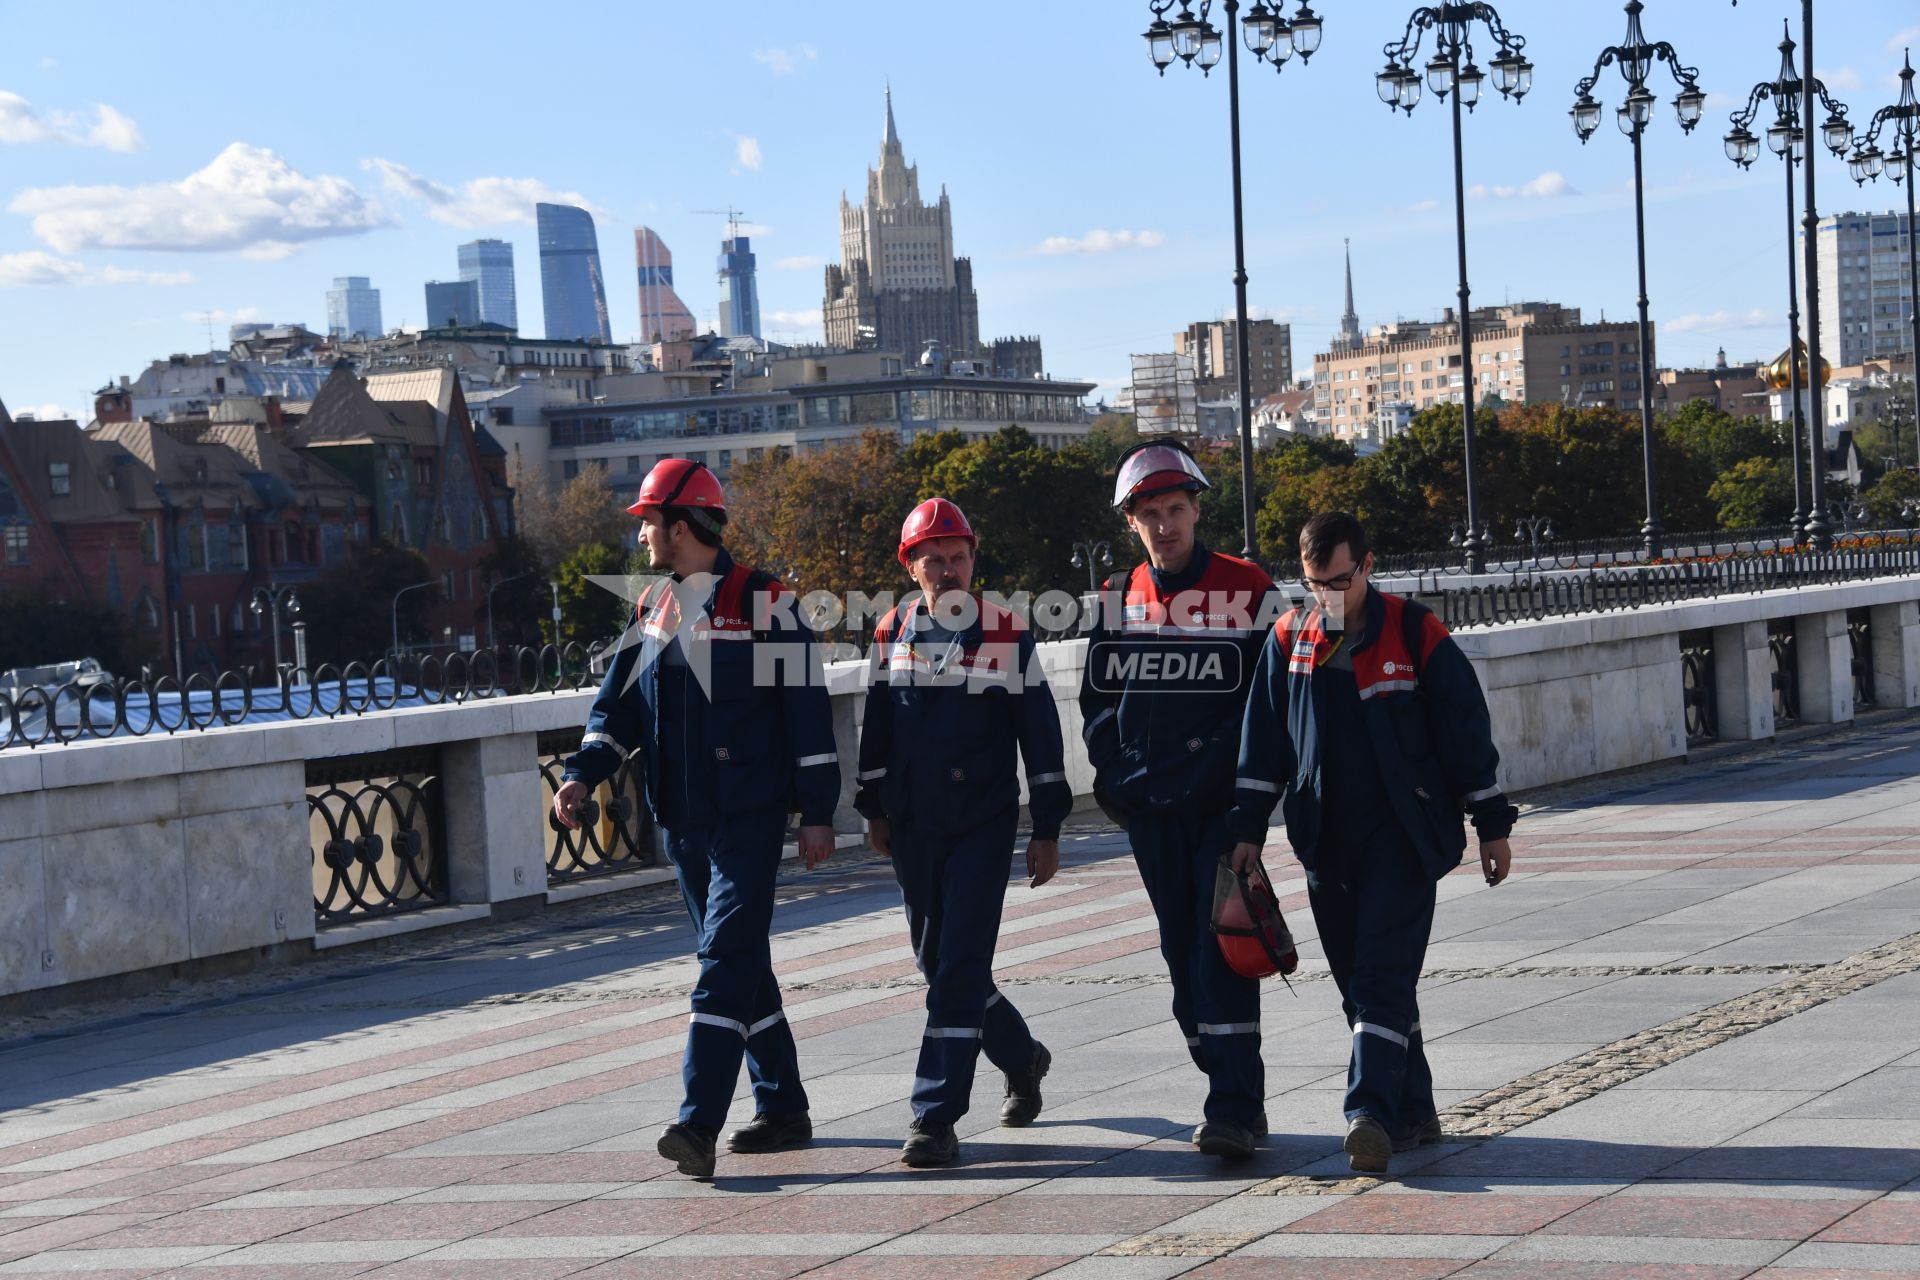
1778, 374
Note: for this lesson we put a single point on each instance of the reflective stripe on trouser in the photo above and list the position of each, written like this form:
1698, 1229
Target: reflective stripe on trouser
1218, 1010
1373, 905
954, 885
727, 875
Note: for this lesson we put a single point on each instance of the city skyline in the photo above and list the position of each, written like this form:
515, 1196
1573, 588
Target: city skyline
1075, 233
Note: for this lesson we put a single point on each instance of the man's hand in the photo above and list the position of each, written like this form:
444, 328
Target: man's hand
1043, 859
1245, 857
1496, 857
565, 799
880, 835
816, 845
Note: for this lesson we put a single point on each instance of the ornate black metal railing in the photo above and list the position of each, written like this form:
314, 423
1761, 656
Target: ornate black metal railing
377, 827
1860, 651
1697, 686
1783, 643
1533, 598
37, 716
616, 830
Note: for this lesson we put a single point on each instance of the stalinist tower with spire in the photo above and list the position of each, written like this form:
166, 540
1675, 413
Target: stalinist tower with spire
1350, 336
898, 285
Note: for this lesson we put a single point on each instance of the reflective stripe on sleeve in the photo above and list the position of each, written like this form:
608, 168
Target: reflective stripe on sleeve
952, 1033
1475, 797
1229, 1028
1100, 719
1385, 1033
1039, 778
807, 761
1255, 784
871, 774
778, 1015
598, 740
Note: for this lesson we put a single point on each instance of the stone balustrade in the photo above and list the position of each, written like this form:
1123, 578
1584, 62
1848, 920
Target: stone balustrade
204, 851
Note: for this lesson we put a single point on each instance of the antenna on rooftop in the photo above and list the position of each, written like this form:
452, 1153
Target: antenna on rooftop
208, 317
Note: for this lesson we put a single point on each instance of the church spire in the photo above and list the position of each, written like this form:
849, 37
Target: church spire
1349, 320
891, 138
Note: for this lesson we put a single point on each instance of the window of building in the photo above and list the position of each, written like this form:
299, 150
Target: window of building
59, 479
446, 584
16, 544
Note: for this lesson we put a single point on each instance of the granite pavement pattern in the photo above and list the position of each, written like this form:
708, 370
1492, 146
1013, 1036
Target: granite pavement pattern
1683, 1041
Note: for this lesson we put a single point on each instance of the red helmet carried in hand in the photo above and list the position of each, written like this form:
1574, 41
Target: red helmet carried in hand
1254, 939
679, 482
934, 518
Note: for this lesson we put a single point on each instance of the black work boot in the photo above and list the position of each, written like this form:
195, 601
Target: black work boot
1225, 1139
766, 1133
689, 1147
929, 1144
1022, 1105
1259, 1129
1368, 1147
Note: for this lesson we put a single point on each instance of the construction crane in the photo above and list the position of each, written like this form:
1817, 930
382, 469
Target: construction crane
731, 214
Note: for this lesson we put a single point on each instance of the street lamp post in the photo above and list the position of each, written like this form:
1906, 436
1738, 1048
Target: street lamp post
1398, 85
1636, 58
267, 601
1536, 530
1902, 120
495, 587
1271, 37
1786, 139
1084, 555
431, 582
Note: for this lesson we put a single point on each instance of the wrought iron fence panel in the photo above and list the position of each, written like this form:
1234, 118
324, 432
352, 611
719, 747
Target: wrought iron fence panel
1698, 690
616, 829
1784, 645
1860, 649
376, 824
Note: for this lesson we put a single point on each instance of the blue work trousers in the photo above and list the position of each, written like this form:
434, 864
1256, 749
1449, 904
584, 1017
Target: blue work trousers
954, 885
727, 873
1178, 853
1373, 904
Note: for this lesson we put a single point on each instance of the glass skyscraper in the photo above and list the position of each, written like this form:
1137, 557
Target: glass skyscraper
663, 316
452, 302
353, 308
573, 294
489, 263
739, 295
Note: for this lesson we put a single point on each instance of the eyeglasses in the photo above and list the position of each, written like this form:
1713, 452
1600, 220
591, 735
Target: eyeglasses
1340, 583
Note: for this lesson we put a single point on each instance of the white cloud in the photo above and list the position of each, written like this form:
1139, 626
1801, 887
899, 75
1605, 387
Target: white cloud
1720, 321
248, 200
478, 202
1099, 241
1424, 206
1548, 184
36, 267
760, 229
746, 153
19, 122
1839, 79
239, 315
48, 64
1902, 38
802, 262
42, 412
802, 320
785, 62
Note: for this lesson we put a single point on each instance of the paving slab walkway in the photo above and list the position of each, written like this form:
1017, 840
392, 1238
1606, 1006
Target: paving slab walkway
1683, 1041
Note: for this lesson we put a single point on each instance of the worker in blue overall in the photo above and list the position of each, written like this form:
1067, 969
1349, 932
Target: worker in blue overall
1161, 700
717, 684
956, 690
1367, 725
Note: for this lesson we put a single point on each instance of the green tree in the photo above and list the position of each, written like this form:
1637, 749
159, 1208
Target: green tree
349, 612
1887, 500
589, 612
1753, 493
1029, 504
1700, 444
1111, 435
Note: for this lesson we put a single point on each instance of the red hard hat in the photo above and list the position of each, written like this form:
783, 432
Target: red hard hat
934, 518
679, 482
1254, 939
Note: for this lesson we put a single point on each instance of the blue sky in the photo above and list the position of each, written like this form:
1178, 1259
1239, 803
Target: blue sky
159, 166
